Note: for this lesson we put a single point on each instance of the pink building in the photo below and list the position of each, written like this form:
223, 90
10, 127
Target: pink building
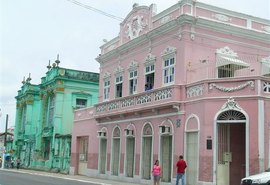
192, 80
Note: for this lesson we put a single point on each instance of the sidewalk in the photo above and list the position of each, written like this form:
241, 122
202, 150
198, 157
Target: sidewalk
72, 177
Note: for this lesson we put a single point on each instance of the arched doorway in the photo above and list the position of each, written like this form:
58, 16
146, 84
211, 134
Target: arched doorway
192, 129
147, 151
102, 135
116, 152
231, 147
130, 151
166, 141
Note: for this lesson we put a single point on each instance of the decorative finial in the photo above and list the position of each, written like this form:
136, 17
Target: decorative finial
23, 82
57, 61
135, 5
29, 78
49, 65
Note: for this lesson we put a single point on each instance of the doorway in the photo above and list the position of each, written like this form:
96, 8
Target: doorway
166, 157
130, 153
192, 155
231, 147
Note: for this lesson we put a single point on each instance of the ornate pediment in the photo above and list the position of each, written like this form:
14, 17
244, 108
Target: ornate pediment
149, 59
136, 25
168, 51
106, 75
226, 51
231, 105
133, 66
118, 70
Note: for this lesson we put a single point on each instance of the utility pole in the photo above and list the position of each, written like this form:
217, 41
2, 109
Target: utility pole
5, 139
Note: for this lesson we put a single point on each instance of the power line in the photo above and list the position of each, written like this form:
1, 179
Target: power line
96, 10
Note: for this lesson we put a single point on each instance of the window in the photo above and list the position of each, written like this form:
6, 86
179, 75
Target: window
118, 86
168, 71
23, 123
50, 114
225, 71
133, 82
81, 103
266, 87
149, 77
106, 89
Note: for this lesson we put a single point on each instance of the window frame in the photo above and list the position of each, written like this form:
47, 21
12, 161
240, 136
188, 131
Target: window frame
169, 68
133, 79
106, 89
118, 83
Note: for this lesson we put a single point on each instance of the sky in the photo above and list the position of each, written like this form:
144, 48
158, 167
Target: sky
32, 32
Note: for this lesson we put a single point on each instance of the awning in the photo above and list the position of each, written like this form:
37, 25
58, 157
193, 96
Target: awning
223, 61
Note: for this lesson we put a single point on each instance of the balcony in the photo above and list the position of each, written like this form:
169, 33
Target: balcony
151, 99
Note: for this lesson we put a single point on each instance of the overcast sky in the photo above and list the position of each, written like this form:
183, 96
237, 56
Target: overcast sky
32, 32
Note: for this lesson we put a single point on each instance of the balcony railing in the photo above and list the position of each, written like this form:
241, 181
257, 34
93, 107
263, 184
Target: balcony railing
148, 98
206, 70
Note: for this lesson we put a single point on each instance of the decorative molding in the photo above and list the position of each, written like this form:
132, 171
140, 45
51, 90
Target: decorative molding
118, 70
149, 59
222, 17
195, 91
231, 105
135, 26
165, 19
232, 89
266, 28
226, 51
169, 50
106, 75
133, 66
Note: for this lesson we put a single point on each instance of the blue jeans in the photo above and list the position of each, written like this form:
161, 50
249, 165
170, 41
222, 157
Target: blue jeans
182, 177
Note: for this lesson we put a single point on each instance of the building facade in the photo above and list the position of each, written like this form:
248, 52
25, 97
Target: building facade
44, 116
8, 149
191, 80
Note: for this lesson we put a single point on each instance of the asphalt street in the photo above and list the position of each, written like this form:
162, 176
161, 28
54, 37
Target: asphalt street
14, 178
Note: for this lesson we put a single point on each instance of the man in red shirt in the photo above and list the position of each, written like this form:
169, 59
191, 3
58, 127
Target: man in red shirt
181, 166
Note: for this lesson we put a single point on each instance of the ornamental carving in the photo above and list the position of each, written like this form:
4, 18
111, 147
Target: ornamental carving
226, 51
232, 89
135, 26
106, 75
118, 70
147, 130
133, 65
149, 59
231, 105
195, 91
221, 17
165, 19
169, 50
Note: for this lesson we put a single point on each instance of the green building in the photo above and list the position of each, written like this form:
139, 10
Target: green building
44, 116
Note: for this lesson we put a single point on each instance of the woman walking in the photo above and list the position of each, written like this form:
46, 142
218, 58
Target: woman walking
156, 173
